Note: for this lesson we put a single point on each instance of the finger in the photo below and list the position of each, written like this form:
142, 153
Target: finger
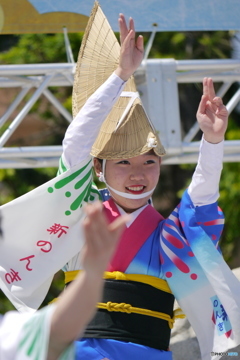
202, 105
91, 209
205, 86
95, 229
140, 44
217, 101
88, 230
89, 233
131, 24
211, 91
123, 27
222, 111
95, 220
119, 223
98, 222
129, 42
117, 227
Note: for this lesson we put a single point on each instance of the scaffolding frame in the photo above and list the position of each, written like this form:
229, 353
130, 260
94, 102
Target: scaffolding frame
157, 82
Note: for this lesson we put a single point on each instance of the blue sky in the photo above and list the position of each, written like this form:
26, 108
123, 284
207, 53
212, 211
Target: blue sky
168, 14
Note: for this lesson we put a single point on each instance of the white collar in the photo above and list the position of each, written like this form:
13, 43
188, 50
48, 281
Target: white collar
134, 214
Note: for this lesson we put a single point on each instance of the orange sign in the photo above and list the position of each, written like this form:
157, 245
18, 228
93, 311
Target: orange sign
20, 16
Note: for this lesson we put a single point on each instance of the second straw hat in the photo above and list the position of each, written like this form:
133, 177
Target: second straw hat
126, 132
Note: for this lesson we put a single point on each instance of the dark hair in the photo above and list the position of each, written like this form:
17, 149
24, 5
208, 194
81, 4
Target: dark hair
100, 160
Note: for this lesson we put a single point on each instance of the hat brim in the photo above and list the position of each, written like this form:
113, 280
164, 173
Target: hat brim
98, 58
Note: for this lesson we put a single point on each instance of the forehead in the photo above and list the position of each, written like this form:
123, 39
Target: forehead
139, 157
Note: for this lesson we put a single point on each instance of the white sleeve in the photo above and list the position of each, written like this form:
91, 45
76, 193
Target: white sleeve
25, 336
10, 331
85, 127
204, 187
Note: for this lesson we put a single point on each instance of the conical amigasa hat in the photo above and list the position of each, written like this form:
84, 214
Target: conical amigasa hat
126, 132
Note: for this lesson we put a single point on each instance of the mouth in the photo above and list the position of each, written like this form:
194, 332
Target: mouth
136, 189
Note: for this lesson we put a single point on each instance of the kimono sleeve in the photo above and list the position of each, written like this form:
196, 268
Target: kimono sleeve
200, 279
26, 336
44, 229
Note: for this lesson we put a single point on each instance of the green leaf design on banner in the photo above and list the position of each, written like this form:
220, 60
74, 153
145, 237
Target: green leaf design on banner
86, 180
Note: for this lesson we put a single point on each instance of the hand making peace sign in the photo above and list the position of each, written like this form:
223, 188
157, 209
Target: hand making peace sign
132, 50
212, 115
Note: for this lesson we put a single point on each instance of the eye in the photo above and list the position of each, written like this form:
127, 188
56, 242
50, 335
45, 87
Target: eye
150, 162
123, 162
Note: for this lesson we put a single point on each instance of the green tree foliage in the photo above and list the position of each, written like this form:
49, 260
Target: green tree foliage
192, 45
40, 48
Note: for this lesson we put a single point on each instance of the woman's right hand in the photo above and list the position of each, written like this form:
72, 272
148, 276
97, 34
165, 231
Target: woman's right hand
132, 50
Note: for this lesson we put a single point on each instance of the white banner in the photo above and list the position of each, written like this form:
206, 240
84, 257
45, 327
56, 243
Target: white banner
36, 229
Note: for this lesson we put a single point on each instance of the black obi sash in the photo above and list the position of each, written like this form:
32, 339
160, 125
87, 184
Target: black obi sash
131, 327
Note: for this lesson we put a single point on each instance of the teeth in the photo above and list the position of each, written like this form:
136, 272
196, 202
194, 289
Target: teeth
136, 188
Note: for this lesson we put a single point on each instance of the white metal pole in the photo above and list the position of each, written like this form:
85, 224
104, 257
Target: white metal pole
14, 105
6, 135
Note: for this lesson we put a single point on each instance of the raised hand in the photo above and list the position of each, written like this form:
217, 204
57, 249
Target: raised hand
77, 305
132, 50
101, 239
212, 115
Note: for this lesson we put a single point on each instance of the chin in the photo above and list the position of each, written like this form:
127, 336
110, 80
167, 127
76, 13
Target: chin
132, 205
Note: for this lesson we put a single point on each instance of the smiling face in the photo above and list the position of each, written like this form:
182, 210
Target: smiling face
136, 175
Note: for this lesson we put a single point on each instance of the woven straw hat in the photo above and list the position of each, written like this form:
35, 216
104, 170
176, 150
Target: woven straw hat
127, 132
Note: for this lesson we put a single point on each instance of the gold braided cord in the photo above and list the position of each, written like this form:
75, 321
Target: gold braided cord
118, 275
127, 308
178, 314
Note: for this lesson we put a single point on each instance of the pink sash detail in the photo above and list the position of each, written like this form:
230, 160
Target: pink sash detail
133, 237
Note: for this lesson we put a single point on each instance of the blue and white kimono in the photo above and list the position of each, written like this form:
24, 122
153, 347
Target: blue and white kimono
184, 263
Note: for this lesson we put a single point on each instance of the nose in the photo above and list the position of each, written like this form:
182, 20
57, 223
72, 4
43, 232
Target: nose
137, 174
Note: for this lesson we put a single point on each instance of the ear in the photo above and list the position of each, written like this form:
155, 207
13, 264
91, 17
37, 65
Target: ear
97, 166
